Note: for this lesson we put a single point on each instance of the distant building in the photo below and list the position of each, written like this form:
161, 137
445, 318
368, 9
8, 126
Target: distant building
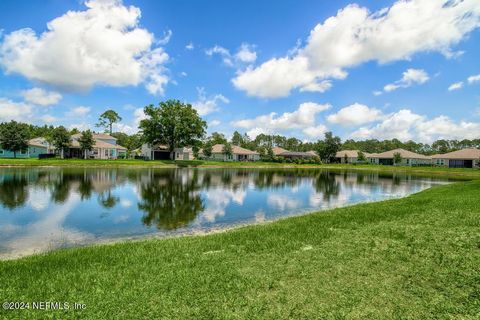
409, 158
350, 156
183, 154
105, 147
36, 146
465, 158
161, 152
238, 154
280, 152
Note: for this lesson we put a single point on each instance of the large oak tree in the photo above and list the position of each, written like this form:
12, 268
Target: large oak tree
174, 124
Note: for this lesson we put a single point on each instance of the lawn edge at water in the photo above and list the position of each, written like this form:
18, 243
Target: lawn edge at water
78, 163
205, 233
372, 223
212, 232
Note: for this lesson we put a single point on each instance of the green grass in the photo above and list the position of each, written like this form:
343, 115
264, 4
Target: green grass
411, 258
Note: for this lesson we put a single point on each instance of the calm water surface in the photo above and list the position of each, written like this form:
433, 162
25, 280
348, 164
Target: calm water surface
45, 209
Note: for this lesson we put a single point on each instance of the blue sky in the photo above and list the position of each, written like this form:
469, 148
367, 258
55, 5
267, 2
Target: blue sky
406, 70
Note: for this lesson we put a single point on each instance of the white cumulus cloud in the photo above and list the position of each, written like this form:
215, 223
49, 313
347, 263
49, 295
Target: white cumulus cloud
315, 131
205, 105
473, 79
246, 53
405, 125
409, 78
102, 45
79, 111
355, 36
355, 114
303, 117
10, 110
41, 97
455, 86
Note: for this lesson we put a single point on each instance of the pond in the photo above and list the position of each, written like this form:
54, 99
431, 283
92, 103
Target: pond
43, 209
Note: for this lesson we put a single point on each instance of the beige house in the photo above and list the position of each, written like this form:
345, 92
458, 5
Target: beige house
277, 151
238, 154
350, 156
105, 147
465, 158
280, 152
409, 158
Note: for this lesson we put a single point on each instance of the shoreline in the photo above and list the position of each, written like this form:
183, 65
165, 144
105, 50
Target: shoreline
208, 231
397, 248
140, 164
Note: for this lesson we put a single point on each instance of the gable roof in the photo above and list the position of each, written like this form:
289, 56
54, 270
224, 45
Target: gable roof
38, 142
469, 153
278, 150
218, 148
102, 136
403, 153
99, 143
350, 154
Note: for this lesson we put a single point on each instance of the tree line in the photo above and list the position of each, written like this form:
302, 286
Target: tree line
176, 124
14, 136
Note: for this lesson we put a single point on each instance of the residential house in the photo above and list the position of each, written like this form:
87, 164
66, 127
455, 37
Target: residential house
465, 158
36, 147
238, 154
105, 147
183, 154
280, 152
162, 152
349, 156
409, 158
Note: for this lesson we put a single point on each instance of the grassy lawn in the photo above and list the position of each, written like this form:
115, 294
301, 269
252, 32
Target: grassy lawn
411, 258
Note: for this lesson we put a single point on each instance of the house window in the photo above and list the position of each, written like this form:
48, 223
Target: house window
23, 152
106, 152
2, 152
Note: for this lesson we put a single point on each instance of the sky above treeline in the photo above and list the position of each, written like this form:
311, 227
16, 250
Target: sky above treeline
364, 69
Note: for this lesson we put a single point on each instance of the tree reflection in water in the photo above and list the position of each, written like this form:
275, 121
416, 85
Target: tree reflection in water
170, 199
173, 198
13, 191
107, 199
326, 184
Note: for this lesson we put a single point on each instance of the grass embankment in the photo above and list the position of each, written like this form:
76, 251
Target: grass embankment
411, 258
470, 173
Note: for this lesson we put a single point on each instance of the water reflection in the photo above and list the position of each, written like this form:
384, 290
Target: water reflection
170, 199
43, 209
